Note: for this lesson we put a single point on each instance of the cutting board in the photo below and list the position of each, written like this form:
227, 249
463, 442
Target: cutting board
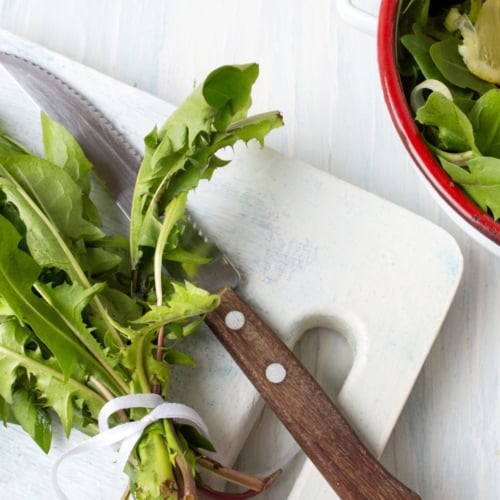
369, 282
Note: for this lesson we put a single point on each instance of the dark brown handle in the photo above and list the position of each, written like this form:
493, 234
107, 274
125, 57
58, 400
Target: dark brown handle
301, 404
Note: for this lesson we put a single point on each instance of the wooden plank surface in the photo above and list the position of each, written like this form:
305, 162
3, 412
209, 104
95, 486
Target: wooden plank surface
322, 74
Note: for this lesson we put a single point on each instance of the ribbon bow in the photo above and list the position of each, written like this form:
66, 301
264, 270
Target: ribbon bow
125, 436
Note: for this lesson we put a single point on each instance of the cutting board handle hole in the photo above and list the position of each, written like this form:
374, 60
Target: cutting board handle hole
327, 353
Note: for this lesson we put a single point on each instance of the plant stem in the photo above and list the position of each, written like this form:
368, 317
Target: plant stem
164, 467
188, 482
173, 212
140, 367
159, 355
122, 414
249, 481
187, 478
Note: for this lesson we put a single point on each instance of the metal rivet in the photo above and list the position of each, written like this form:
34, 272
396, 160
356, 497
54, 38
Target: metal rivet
235, 320
275, 373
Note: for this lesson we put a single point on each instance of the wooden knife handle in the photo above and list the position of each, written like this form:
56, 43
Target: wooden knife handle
301, 404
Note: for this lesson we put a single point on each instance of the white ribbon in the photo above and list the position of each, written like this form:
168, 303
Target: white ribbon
125, 436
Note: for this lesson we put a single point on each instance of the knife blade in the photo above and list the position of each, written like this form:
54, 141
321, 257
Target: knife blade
288, 388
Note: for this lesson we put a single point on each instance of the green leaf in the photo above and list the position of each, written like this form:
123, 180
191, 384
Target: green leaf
195, 438
185, 256
44, 240
4, 411
61, 149
121, 307
5, 309
454, 129
18, 274
181, 152
450, 63
481, 181
66, 340
177, 358
139, 357
151, 477
10, 147
485, 119
98, 260
69, 301
185, 302
9, 364
228, 89
418, 45
255, 127
33, 418
55, 193
17, 351
46, 244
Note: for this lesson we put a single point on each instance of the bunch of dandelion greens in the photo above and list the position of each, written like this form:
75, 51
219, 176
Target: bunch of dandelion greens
86, 315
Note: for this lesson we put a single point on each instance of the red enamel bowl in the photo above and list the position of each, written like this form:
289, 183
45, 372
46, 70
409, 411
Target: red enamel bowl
476, 222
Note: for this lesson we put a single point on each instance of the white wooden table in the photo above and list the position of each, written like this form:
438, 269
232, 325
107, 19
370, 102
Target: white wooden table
322, 74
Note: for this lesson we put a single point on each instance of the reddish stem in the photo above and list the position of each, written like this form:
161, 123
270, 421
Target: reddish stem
229, 496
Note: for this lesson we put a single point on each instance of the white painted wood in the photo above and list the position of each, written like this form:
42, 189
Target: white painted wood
322, 74
300, 269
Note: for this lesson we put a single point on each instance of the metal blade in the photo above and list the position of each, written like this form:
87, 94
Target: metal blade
115, 160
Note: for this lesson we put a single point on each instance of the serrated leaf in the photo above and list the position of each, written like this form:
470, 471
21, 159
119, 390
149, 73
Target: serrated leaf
45, 242
32, 417
57, 391
255, 127
185, 302
68, 332
69, 302
8, 364
18, 274
179, 154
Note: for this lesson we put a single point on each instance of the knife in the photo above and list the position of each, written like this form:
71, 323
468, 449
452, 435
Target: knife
287, 387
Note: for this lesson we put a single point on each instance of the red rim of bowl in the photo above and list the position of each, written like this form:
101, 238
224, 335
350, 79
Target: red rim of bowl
406, 127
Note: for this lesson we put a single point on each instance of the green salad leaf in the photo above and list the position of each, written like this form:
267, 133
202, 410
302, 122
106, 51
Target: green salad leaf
485, 120
449, 62
87, 315
453, 129
462, 125
481, 180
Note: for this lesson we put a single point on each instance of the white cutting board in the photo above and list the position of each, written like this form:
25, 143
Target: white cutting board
314, 252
